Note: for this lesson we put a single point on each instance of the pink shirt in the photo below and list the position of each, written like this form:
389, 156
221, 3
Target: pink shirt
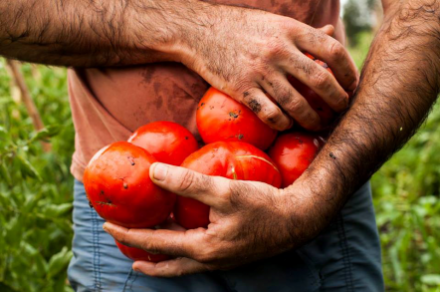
109, 104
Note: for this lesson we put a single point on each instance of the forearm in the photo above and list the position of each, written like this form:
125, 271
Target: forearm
399, 84
96, 33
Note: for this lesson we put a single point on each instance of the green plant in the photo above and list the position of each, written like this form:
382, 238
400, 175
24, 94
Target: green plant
407, 201
35, 187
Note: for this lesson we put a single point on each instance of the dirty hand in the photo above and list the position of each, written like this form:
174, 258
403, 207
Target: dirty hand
249, 221
247, 53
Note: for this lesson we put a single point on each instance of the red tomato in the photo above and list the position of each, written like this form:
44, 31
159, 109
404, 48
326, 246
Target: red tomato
221, 118
293, 153
137, 254
324, 111
119, 187
168, 142
231, 159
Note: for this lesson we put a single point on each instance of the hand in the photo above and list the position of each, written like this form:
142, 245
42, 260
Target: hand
247, 53
249, 221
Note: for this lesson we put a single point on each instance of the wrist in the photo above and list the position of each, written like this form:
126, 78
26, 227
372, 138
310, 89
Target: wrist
176, 30
312, 202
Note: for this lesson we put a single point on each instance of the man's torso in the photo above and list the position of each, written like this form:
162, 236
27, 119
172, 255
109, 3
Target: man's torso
108, 104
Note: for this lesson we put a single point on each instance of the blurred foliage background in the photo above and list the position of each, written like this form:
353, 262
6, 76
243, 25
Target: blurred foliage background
36, 187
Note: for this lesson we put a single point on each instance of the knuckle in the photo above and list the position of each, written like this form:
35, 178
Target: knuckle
295, 106
175, 271
290, 24
206, 255
187, 181
271, 114
273, 50
145, 245
243, 86
123, 240
150, 246
320, 80
337, 51
124, 237
284, 96
303, 114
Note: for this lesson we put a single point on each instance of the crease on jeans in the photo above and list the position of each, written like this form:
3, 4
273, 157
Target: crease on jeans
346, 256
96, 253
312, 272
126, 281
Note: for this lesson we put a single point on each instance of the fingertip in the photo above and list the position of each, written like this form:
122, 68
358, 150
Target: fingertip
353, 86
137, 266
114, 230
144, 267
328, 29
109, 227
158, 171
343, 103
283, 124
105, 227
274, 117
311, 121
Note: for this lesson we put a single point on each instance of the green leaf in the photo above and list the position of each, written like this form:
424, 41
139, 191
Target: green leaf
431, 279
31, 202
27, 168
28, 252
47, 132
14, 232
55, 211
3, 132
4, 174
58, 262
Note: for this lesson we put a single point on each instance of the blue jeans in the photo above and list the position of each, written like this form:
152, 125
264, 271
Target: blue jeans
346, 256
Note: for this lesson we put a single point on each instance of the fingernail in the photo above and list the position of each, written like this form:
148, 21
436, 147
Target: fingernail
160, 171
105, 227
